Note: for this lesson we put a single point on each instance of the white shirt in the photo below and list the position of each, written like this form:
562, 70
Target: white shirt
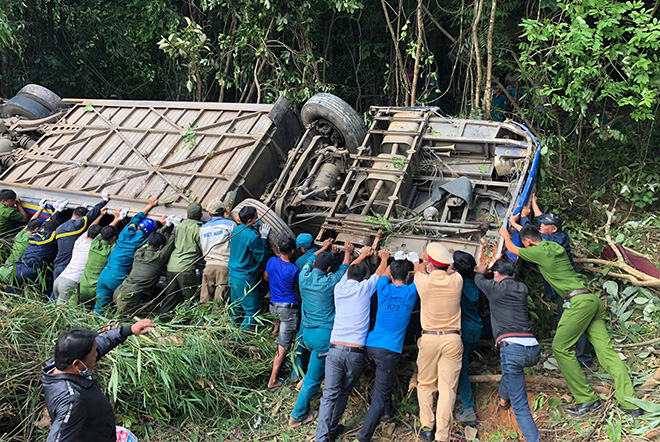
214, 236
74, 270
352, 306
525, 342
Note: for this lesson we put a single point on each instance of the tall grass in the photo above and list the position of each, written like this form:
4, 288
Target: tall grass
199, 368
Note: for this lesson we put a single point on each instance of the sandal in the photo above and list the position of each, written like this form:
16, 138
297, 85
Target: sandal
308, 420
274, 389
503, 404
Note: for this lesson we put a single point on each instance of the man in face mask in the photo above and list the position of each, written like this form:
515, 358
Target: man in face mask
78, 409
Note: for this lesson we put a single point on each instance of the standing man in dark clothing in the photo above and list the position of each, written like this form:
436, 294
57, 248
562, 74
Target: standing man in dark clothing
513, 336
41, 252
396, 301
182, 278
550, 226
464, 264
9, 216
78, 409
282, 276
147, 267
69, 231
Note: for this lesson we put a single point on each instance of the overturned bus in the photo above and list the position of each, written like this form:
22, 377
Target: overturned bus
412, 177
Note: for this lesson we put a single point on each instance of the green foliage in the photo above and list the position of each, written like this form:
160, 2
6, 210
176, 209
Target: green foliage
639, 183
595, 53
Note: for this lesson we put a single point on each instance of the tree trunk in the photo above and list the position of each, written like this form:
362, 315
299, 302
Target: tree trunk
489, 62
478, 9
399, 61
418, 54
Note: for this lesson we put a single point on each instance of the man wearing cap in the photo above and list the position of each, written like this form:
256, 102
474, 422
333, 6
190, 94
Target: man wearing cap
440, 347
305, 245
584, 312
247, 251
550, 226
215, 238
120, 260
182, 279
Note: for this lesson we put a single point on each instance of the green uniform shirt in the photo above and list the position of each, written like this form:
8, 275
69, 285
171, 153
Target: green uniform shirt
20, 246
187, 246
8, 217
556, 268
317, 293
99, 251
147, 266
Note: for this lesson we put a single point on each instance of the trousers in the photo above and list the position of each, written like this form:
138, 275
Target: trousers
105, 290
583, 349
514, 359
214, 282
439, 365
585, 314
470, 337
342, 370
179, 288
381, 400
244, 296
317, 341
64, 289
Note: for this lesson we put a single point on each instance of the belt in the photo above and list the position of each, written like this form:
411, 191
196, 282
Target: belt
347, 348
441, 332
503, 344
575, 293
284, 304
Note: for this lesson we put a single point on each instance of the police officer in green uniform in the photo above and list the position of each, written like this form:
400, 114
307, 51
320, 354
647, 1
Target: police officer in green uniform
583, 313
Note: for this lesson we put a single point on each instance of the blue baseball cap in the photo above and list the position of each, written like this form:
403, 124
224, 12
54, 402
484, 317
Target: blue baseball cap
304, 240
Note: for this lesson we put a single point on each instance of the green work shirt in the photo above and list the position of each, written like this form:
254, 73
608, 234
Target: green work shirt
147, 266
20, 246
317, 293
556, 268
99, 251
187, 246
8, 217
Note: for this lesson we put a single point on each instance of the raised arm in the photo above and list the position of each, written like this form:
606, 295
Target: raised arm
153, 202
99, 217
107, 341
535, 206
95, 211
384, 255
364, 253
510, 246
117, 214
21, 210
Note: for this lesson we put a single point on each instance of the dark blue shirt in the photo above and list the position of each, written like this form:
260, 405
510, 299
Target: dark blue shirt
282, 279
395, 305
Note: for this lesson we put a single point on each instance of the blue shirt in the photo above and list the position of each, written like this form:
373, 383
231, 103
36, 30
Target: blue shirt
282, 279
395, 305
247, 251
317, 293
130, 239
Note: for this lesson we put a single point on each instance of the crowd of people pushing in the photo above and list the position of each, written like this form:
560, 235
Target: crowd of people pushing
322, 298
